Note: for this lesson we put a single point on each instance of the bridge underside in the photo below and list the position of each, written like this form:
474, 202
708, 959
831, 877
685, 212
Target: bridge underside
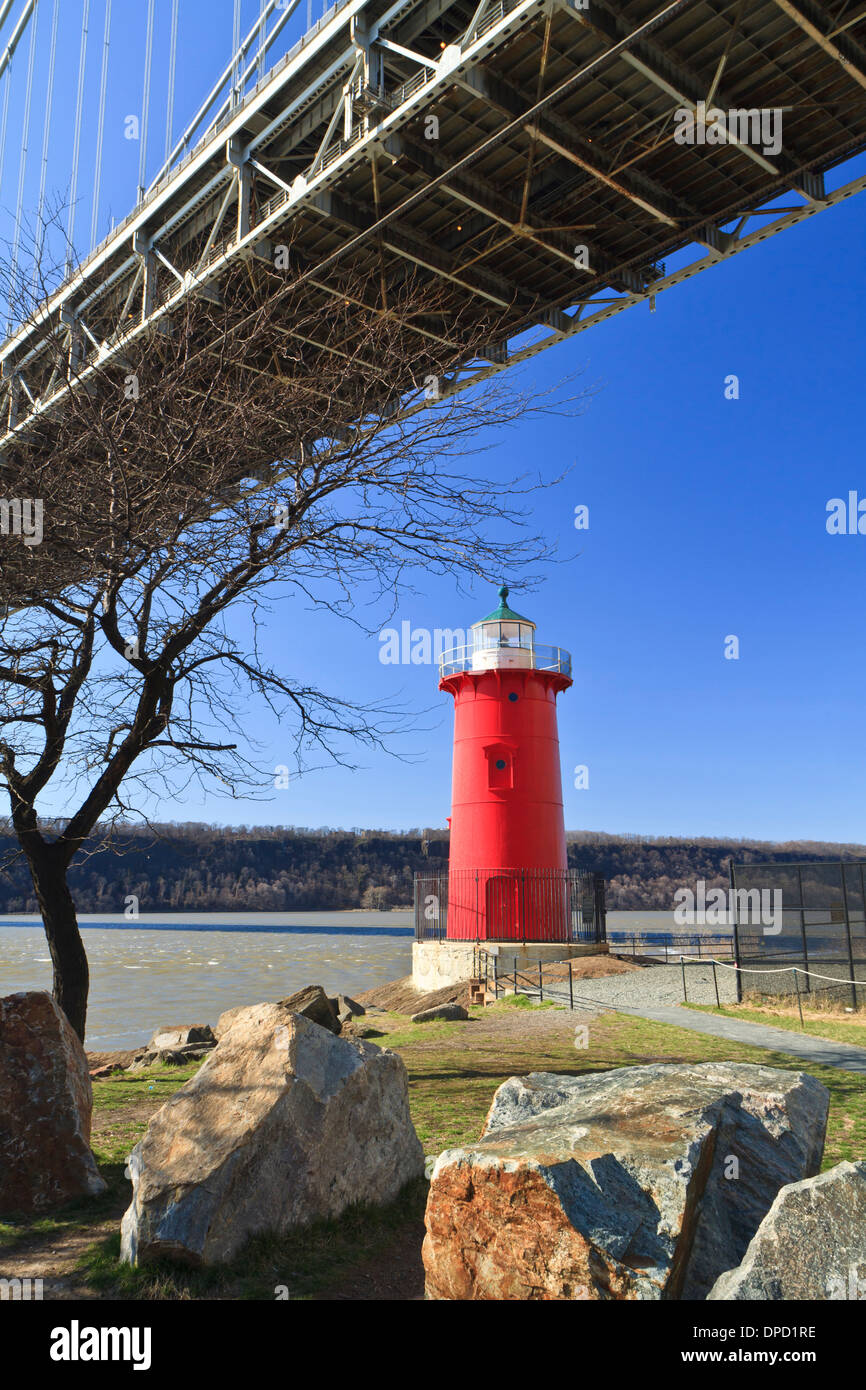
521, 157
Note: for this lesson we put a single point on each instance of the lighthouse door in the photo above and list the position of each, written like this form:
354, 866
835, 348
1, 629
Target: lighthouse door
501, 918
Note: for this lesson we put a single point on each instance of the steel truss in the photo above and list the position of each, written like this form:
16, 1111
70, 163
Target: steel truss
555, 126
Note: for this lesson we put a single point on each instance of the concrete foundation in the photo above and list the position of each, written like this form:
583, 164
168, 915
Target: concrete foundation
436, 964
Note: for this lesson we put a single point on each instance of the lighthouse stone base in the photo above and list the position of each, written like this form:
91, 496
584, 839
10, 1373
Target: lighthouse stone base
436, 964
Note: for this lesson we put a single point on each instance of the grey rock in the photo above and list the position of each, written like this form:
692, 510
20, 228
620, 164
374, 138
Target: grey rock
282, 1124
311, 1001
619, 1185
810, 1245
349, 1008
448, 1012
201, 1034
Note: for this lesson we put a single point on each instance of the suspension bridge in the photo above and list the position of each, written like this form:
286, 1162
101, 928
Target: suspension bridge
555, 161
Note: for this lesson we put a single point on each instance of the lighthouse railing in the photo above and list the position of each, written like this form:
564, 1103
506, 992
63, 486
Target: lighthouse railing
510, 905
479, 657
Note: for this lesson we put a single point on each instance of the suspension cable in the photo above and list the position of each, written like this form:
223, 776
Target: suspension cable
4, 123
172, 67
4, 10
236, 43
46, 136
76, 145
6, 59
100, 126
22, 166
261, 54
145, 106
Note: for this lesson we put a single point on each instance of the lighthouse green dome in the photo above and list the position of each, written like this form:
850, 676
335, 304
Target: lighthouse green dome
504, 614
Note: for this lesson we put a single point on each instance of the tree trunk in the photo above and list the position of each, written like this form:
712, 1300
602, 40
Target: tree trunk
71, 972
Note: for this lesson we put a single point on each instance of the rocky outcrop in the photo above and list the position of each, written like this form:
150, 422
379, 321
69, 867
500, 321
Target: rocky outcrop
46, 1101
639, 1183
448, 1013
810, 1245
283, 1123
311, 1001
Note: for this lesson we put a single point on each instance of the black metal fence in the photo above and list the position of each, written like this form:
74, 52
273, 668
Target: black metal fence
809, 915
523, 905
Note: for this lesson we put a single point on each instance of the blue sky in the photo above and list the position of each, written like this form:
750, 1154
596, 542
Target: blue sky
707, 518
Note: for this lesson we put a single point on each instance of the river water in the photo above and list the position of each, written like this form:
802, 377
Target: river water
188, 967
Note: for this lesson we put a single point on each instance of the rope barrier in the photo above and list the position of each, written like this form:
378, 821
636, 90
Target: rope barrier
781, 970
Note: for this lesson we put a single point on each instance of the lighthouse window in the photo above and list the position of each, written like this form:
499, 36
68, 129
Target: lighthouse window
513, 696
500, 767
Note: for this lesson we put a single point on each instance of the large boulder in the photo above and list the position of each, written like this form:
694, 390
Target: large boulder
46, 1101
810, 1245
311, 1001
283, 1123
640, 1183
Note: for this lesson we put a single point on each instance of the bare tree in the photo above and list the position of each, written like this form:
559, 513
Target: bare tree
310, 443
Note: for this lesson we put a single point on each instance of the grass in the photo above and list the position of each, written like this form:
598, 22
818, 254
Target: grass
817, 1025
304, 1263
454, 1070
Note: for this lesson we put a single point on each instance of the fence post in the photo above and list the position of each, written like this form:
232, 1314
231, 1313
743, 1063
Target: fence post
799, 1001
495, 980
803, 930
570, 987
848, 933
716, 983
736, 932
683, 966
540, 984
514, 962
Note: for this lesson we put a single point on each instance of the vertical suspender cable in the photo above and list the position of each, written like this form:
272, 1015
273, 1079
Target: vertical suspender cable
145, 106
22, 168
100, 125
76, 144
262, 4
236, 62
46, 136
4, 123
172, 68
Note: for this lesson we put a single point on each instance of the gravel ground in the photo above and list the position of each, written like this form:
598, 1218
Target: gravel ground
658, 987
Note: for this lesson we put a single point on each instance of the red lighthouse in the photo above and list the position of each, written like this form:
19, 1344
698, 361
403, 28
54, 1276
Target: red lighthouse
508, 871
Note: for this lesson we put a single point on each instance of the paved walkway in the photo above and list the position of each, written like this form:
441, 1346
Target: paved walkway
819, 1051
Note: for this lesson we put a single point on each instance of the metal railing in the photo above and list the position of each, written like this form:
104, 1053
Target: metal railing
527, 656
519, 905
